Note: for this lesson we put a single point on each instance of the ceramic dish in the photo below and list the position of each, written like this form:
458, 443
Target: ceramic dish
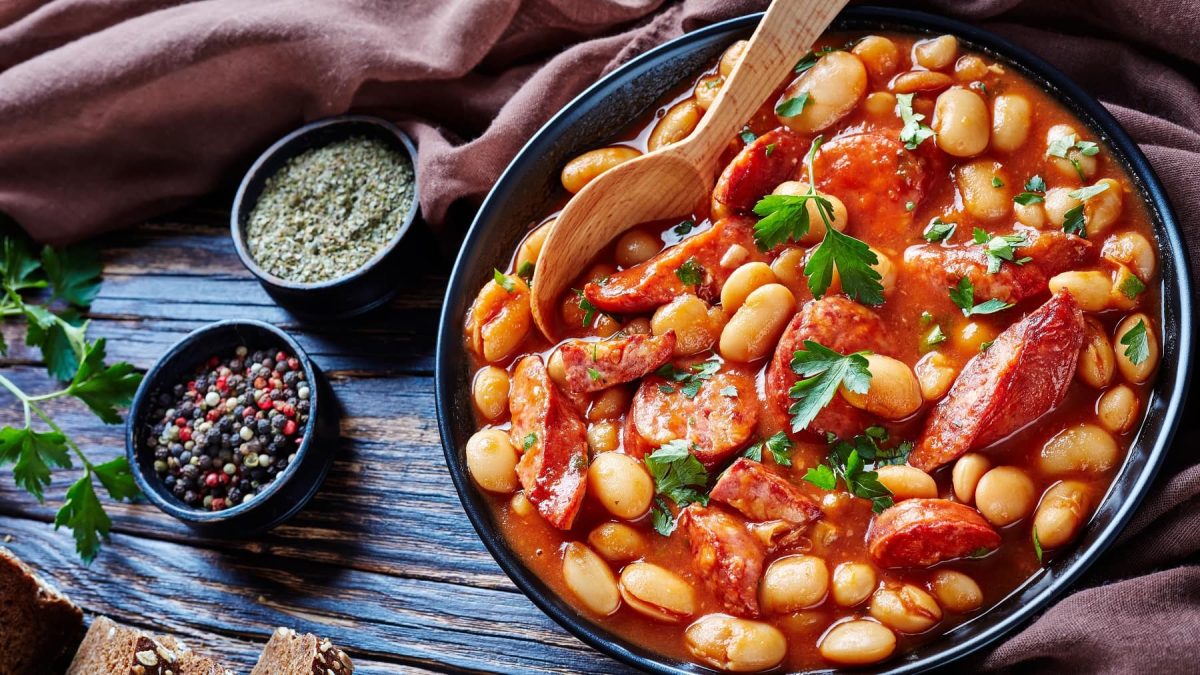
530, 184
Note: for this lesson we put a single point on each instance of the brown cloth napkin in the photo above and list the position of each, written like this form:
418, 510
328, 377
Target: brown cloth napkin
115, 110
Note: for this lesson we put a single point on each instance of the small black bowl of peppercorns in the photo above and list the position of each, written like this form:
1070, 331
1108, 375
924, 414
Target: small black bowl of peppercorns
233, 430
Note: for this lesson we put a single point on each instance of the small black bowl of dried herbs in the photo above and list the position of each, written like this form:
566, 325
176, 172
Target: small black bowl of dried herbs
319, 216
233, 430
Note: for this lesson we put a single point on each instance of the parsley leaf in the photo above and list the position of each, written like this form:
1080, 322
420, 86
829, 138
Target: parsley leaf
684, 227
1075, 222
853, 260
661, 517
589, 310
690, 272
526, 271
503, 280
678, 476
117, 478
1037, 544
1137, 343
964, 297
85, 516
529, 440
104, 388
822, 476
784, 217
811, 59
793, 106
74, 273
997, 182
20, 267
997, 250
32, 454
1131, 286
937, 230
779, 445
1085, 193
1059, 146
769, 150
691, 379
593, 374
848, 460
729, 392
934, 337
747, 136
822, 371
1035, 191
913, 133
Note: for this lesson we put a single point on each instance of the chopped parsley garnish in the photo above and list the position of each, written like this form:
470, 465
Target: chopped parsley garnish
792, 106
690, 380
913, 133
822, 371
964, 297
770, 149
811, 58
983, 346
747, 136
779, 445
593, 374
529, 440
996, 182
980, 552
525, 271
684, 227
848, 460
1063, 145
1075, 222
938, 230
1035, 192
910, 205
934, 337
690, 272
1137, 343
1085, 193
926, 318
678, 476
666, 389
729, 392
1000, 249
589, 310
1037, 544
1131, 286
503, 280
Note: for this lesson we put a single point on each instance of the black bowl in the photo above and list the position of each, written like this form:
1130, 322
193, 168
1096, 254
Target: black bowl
530, 184
360, 291
290, 490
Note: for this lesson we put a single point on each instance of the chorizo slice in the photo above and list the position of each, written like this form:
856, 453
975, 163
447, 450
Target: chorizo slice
874, 176
840, 324
595, 365
632, 442
717, 420
762, 495
726, 555
553, 469
1022, 376
767, 161
657, 281
1051, 252
924, 532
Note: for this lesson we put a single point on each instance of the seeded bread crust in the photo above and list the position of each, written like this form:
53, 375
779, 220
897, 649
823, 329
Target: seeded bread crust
113, 649
289, 653
39, 627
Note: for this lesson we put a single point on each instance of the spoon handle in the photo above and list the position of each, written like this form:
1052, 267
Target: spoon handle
786, 32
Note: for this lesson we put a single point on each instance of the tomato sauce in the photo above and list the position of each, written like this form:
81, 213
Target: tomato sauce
912, 309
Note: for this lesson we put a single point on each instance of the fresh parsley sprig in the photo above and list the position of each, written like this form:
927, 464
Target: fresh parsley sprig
913, 133
822, 371
689, 380
1137, 343
779, 445
1075, 219
848, 461
55, 326
1001, 249
1035, 192
963, 296
678, 476
1066, 147
939, 230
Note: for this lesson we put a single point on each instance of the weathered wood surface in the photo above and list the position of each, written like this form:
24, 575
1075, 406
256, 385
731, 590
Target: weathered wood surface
383, 560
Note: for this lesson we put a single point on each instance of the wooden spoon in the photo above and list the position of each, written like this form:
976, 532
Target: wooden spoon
672, 180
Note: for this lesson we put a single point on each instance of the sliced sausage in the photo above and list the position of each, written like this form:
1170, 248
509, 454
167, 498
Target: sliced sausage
766, 162
726, 555
840, 324
655, 282
596, 365
924, 532
1022, 376
553, 469
1052, 251
632, 442
761, 495
715, 422
875, 177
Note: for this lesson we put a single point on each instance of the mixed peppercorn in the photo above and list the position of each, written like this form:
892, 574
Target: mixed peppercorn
225, 434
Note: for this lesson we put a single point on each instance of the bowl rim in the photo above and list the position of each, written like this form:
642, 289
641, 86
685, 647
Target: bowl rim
255, 174
1084, 105
137, 409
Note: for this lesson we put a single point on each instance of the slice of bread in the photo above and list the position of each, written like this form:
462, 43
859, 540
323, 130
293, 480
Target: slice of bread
113, 649
39, 627
289, 653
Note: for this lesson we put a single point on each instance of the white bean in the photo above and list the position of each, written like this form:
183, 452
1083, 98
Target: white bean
590, 579
857, 643
960, 120
834, 86
735, 645
1083, 448
492, 461
1011, 115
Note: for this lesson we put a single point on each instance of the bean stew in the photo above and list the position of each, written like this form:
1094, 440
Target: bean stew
855, 400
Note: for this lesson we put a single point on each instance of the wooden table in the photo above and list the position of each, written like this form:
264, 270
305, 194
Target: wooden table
383, 560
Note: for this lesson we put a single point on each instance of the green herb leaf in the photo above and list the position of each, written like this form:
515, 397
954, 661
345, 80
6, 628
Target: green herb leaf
1035, 189
586, 306
104, 388
1085, 193
784, 217
503, 280
661, 517
1060, 146
729, 392
939, 231
1027, 198
32, 454
1087, 148
86, 518
1035, 184
769, 150
117, 478
913, 133
526, 271
779, 445
529, 440
1037, 544
1131, 286
684, 227
678, 475
747, 136
690, 272
848, 460
1137, 343
910, 205
792, 106
822, 476
983, 346
853, 260
997, 250
811, 59
593, 374
932, 338
21, 268
964, 297
822, 371
996, 182
754, 452
666, 389
74, 273
1074, 222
